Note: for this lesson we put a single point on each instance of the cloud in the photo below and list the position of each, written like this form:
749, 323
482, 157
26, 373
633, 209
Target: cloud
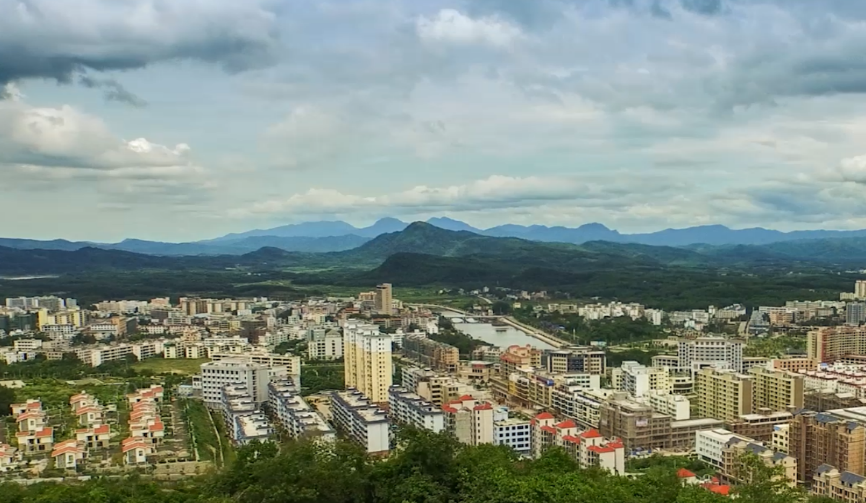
57, 39
853, 169
112, 90
451, 26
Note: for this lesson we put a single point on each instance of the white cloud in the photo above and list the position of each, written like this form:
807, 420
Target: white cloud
853, 169
451, 26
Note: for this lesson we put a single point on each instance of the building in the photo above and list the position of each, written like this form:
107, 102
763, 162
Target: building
588, 448
430, 353
710, 351
470, 420
68, 454
216, 374
325, 345
407, 408
760, 426
294, 414
737, 448
429, 385
514, 433
639, 380
855, 313
817, 438
776, 390
582, 405
361, 420
576, 360
243, 420
860, 289
368, 360
830, 344
384, 299
291, 363
843, 486
723, 394
793, 364
677, 407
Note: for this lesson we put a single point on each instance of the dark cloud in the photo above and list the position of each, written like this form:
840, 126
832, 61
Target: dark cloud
112, 90
37, 41
705, 7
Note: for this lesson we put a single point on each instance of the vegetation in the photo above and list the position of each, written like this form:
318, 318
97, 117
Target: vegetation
202, 430
572, 327
318, 378
669, 463
774, 347
642, 356
428, 468
170, 366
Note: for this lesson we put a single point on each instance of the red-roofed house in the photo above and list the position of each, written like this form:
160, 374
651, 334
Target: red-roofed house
90, 415
470, 420
135, 450
686, 476
8, 457
31, 420
68, 454
82, 399
716, 487
21, 408
588, 448
94, 438
36, 441
543, 433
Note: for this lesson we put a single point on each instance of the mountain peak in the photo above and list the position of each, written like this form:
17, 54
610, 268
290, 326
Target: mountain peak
593, 226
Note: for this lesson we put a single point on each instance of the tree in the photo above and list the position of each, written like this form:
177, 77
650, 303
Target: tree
7, 398
501, 308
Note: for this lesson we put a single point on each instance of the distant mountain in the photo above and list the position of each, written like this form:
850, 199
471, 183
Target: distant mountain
452, 225
30, 244
382, 226
306, 229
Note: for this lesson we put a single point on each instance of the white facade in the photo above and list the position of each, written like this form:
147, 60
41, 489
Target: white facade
361, 420
325, 345
410, 409
711, 350
710, 443
294, 414
515, 433
676, 406
216, 374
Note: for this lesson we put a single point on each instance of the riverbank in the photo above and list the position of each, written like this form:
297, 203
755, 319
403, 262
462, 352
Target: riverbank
531, 334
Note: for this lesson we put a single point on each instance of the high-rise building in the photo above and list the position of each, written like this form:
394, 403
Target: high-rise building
860, 289
430, 353
855, 313
384, 299
817, 438
215, 375
723, 394
829, 344
360, 419
367, 354
470, 420
574, 360
710, 351
408, 408
776, 390
638, 380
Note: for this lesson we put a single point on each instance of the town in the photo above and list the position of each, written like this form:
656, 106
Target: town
171, 389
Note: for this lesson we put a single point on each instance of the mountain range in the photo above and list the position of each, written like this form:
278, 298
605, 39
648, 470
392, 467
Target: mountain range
333, 236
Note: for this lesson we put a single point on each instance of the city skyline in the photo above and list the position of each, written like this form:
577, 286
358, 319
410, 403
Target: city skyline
191, 120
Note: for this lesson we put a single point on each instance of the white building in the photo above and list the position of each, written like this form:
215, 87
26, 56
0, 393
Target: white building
676, 406
639, 380
710, 443
216, 374
294, 414
515, 433
291, 363
27, 344
709, 351
410, 409
361, 420
325, 345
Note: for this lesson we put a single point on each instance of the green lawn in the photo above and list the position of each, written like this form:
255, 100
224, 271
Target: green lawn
177, 366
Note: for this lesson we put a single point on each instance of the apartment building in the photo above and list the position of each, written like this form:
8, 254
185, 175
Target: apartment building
760, 426
829, 344
292, 364
575, 360
582, 405
821, 401
216, 374
710, 351
665, 361
588, 447
407, 408
723, 394
361, 420
368, 360
793, 364
470, 420
244, 421
725, 450
843, 486
639, 380
817, 438
325, 345
294, 414
516, 357
776, 390
515, 433
430, 353
677, 407
431, 386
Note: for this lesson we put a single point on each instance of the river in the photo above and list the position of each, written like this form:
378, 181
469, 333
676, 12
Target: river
502, 338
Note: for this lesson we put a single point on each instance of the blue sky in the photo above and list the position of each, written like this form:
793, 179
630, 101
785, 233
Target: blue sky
187, 119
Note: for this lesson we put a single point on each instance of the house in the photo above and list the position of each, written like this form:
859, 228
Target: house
135, 450
153, 430
154, 393
90, 415
21, 408
94, 438
8, 457
36, 441
68, 454
687, 476
32, 420
82, 400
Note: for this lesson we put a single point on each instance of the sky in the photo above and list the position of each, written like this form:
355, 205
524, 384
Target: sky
179, 120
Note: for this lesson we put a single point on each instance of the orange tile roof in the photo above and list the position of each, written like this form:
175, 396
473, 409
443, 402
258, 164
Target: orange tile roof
599, 449
101, 430
45, 432
724, 490
549, 429
465, 398
28, 415
544, 415
684, 474
483, 406
616, 444
156, 427
593, 433
572, 439
566, 424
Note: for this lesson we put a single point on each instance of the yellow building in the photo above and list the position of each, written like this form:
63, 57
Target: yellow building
367, 354
826, 345
74, 317
384, 299
776, 390
723, 394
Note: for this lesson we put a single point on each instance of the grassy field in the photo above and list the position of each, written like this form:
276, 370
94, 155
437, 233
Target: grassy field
175, 366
